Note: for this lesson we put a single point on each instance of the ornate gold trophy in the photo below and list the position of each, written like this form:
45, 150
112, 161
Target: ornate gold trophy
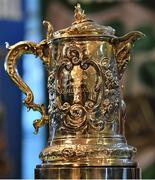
85, 63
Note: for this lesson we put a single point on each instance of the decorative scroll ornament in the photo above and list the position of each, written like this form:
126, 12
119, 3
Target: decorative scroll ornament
26, 47
77, 113
86, 110
122, 47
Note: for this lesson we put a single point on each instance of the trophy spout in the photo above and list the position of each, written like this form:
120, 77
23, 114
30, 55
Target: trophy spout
122, 49
86, 112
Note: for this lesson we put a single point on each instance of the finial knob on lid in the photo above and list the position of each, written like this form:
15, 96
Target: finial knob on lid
79, 14
83, 26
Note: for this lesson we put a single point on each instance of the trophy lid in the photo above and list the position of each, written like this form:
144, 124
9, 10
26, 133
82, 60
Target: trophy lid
83, 26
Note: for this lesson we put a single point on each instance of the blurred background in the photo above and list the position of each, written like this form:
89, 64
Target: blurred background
22, 20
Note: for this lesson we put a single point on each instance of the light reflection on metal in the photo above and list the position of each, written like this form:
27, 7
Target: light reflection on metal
31, 144
85, 63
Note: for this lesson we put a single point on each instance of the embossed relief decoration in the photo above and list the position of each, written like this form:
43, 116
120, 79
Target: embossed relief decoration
86, 90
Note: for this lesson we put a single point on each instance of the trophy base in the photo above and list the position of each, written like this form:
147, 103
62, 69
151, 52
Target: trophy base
86, 172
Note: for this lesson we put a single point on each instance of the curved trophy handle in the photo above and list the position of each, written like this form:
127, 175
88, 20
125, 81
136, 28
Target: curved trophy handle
41, 50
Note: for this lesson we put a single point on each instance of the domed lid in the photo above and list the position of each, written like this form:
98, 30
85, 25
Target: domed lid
83, 26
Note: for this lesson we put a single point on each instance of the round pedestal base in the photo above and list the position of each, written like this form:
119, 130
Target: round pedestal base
86, 172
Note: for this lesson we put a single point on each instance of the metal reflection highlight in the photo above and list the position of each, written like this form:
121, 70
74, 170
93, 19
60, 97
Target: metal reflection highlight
86, 111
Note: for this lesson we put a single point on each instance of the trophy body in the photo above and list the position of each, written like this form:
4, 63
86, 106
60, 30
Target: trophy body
86, 130
85, 63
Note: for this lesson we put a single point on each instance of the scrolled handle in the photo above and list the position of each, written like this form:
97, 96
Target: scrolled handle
39, 50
